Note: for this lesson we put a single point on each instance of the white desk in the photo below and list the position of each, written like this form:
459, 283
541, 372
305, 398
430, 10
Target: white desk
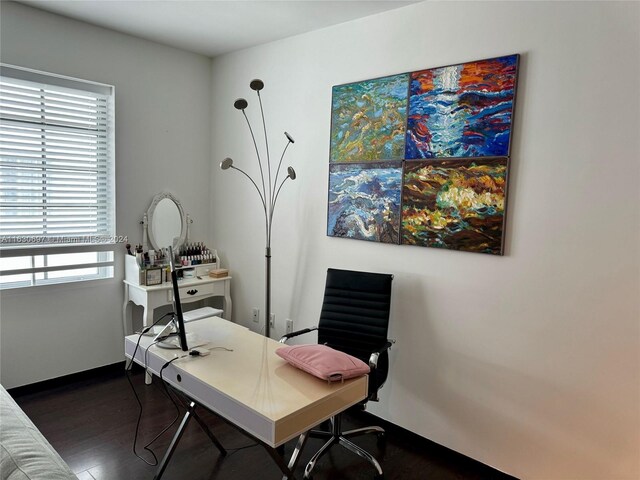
191, 290
251, 386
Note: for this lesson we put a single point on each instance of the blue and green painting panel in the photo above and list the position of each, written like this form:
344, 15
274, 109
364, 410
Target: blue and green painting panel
368, 120
462, 110
455, 204
364, 201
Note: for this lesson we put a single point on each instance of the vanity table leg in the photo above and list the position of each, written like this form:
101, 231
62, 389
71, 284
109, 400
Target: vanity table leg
145, 309
227, 300
127, 322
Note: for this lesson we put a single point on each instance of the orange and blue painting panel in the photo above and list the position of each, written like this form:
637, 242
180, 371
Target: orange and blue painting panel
368, 120
422, 158
364, 201
455, 204
462, 110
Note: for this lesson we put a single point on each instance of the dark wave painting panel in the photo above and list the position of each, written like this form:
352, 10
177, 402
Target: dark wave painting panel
364, 201
462, 110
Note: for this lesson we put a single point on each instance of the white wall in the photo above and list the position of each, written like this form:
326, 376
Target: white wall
163, 124
527, 362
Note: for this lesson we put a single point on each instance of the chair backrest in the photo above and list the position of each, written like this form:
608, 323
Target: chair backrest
355, 317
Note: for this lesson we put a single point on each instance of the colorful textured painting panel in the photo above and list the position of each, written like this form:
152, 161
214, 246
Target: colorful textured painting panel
462, 110
455, 204
368, 120
364, 201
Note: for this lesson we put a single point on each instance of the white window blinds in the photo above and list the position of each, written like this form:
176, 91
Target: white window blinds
56, 160
57, 179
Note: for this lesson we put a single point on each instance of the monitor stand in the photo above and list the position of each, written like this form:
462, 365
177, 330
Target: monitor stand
168, 337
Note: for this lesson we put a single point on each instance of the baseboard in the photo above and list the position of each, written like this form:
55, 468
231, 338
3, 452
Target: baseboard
86, 375
413, 438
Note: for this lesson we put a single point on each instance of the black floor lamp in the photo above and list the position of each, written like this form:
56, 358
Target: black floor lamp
268, 193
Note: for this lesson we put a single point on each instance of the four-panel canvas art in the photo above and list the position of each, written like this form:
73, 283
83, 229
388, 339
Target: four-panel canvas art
422, 158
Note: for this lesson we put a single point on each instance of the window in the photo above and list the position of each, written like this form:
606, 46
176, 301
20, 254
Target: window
57, 175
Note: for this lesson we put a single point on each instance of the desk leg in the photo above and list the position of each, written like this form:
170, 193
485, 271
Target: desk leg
209, 433
178, 435
172, 446
293, 462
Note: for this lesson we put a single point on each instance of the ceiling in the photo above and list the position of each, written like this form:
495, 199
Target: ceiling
213, 27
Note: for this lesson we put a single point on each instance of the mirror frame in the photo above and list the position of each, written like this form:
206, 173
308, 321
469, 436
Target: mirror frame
183, 220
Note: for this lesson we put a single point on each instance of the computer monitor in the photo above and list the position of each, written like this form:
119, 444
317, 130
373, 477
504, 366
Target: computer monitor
176, 326
177, 306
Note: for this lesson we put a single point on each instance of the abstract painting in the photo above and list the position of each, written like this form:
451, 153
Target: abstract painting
462, 110
364, 201
455, 204
422, 158
368, 120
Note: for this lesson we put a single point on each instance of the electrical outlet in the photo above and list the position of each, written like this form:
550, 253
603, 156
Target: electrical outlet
289, 326
256, 315
272, 320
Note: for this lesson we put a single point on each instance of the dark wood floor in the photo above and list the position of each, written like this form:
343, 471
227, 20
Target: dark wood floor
91, 423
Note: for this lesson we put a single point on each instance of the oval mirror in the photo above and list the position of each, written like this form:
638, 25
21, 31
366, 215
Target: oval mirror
167, 222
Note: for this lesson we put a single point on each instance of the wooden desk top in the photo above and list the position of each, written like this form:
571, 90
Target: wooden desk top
250, 386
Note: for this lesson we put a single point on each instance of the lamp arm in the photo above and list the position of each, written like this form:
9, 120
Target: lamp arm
264, 192
275, 180
266, 143
264, 205
276, 199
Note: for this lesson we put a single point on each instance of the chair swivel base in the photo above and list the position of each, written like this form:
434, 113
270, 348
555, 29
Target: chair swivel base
336, 436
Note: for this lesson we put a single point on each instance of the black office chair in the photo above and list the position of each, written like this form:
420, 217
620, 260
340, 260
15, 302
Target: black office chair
355, 320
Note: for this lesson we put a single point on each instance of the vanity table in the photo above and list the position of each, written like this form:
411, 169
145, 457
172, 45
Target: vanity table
165, 224
191, 290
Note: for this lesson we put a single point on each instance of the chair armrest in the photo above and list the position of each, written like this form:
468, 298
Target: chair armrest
286, 337
373, 359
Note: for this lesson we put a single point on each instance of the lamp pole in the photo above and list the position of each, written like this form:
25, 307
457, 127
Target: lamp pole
268, 193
